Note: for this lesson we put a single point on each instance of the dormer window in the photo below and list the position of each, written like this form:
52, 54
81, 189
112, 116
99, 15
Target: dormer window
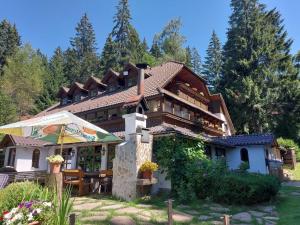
112, 88
94, 92
130, 82
64, 101
77, 98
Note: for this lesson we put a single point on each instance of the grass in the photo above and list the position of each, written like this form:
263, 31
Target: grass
288, 206
295, 173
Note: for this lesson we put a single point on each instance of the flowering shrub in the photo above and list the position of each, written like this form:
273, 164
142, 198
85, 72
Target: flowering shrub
27, 212
149, 166
55, 159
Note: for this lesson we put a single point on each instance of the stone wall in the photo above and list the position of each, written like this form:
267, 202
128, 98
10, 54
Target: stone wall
129, 157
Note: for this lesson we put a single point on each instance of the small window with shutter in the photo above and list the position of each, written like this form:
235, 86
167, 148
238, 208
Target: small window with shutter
35, 158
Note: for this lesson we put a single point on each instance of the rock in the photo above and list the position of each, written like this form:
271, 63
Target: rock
94, 218
122, 220
257, 213
216, 214
268, 209
117, 206
129, 210
182, 217
271, 218
259, 221
243, 216
219, 209
86, 206
203, 217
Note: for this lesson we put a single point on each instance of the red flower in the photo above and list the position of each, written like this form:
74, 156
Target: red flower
1, 218
5, 212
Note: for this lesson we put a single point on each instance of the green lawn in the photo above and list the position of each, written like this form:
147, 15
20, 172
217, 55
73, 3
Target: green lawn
295, 173
288, 206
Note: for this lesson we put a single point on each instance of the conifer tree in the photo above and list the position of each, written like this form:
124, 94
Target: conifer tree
155, 49
196, 61
213, 62
188, 58
9, 41
81, 59
256, 58
108, 56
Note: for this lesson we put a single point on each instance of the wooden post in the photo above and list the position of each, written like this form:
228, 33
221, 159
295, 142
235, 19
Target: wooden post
72, 219
56, 182
226, 220
170, 212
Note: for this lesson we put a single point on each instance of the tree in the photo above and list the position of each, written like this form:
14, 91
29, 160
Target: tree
297, 61
108, 56
256, 60
54, 78
9, 41
212, 67
121, 32
155, 49
8, 112
22, 79
81, 59
196, 61
188, 58
170, 41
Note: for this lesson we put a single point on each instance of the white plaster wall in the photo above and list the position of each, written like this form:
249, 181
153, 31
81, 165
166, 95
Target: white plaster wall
256, 155
23, 161
162, 182
132, 121
222, 117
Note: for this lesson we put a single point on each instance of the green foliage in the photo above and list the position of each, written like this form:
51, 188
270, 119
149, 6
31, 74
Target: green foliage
9, 41
7, 110
179, 158
290, 144
62, 208
257, 64
22, 79
81, 59
16, 193
246, 188
212, 67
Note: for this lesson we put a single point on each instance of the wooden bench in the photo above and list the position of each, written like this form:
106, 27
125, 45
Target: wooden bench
75, 178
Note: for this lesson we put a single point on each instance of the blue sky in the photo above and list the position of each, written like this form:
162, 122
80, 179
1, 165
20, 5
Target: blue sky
47, 24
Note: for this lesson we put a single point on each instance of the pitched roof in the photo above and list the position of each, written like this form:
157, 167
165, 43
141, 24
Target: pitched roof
160, 76
248, 139
95, 80
21, 141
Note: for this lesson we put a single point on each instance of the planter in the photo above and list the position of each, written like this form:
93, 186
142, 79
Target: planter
34, 223
147, 175
55, 168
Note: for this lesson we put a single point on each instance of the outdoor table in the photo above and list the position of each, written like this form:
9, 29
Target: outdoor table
96, 179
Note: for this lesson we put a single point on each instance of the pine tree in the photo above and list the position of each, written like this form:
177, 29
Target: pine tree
155, 49
121, 32
212, 67
256, 57
9, 41
145, 45
81, 59
196, 61
188, 60
8, 111
108, 56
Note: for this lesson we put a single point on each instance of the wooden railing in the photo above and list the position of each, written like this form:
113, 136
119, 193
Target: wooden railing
36, 176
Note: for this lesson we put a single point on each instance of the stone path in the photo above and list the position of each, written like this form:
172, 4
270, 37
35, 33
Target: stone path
112, 212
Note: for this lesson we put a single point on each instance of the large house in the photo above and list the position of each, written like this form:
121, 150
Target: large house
179, 102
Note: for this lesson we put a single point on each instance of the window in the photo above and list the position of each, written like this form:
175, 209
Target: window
177, 110
89, 158
64, 101
35, 158
112, 113
11, 157
91, 117
112, 87
110, 156
184, 113
67, 155
2, 157
94, 92
154, 105
77, 98
101, 116
130, 82
207, 151
244, 155
220, 153
168, 107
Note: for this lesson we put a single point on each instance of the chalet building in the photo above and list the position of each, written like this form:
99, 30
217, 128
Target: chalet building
175, 101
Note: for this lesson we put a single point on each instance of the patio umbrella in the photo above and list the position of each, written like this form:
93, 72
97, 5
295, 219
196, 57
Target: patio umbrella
59, 128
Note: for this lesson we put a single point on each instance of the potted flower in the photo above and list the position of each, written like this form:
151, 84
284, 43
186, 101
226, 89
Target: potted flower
55, 163
147, 169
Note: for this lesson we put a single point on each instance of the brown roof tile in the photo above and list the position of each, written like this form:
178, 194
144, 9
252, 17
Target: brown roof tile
23, 141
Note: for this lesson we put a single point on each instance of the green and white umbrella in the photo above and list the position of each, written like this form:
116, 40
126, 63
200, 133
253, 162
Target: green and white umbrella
59, 128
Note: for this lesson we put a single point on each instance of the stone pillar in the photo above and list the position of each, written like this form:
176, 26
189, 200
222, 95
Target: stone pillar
129, 157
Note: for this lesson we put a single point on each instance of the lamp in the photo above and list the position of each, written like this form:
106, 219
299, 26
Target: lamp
103, 151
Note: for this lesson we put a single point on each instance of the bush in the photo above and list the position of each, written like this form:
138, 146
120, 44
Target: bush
245, 188
16, 193
290, 144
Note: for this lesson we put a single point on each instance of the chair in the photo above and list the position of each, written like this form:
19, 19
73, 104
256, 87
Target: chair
3, 180
105, 180
75, 178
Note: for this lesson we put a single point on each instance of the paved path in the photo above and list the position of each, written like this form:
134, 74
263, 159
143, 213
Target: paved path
292, 183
